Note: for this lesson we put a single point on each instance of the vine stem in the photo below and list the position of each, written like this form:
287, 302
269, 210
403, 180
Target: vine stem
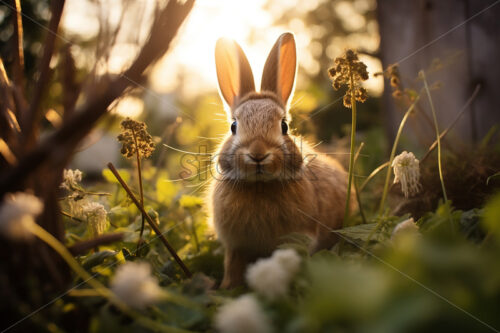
99, 288
393, 154
389, 168
353, 142
438, 136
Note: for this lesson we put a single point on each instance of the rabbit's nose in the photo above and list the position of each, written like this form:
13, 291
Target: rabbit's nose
258, 157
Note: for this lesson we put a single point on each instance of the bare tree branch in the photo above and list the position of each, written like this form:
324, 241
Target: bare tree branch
64, 140
18, 67
35, 114
71, 88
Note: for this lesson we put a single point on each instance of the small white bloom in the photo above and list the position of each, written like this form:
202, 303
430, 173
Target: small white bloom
407, 227
243, 315
71, 178
96, 218
17, 213
271, 277
288, 259
134, 285
76, 206
407, 172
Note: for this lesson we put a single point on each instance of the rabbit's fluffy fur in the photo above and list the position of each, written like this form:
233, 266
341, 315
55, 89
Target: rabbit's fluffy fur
269, 183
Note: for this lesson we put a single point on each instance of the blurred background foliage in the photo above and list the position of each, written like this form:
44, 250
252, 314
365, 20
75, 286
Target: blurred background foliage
389, 287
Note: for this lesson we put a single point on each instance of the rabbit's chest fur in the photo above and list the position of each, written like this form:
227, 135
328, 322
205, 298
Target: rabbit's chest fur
253, 216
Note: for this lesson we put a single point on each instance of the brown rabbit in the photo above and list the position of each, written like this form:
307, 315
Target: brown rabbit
268, 183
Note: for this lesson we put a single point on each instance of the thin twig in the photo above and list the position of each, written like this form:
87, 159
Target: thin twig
393, 154
71, 216
453, 123
440, 167
150, 220
373, 174
86, 245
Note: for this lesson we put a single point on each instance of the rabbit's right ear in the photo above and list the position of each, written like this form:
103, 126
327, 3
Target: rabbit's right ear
233, 71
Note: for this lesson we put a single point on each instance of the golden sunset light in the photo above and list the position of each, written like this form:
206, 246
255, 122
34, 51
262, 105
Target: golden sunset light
249, 166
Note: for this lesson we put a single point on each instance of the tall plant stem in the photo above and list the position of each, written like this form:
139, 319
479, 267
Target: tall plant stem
393, 154
358, 197
440, 168
139, 176
152, 224
100, 289
353, 142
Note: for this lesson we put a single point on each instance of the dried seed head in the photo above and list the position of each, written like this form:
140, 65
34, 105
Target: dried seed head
135, 137
407, 172
95, 214
71, 178
349, 71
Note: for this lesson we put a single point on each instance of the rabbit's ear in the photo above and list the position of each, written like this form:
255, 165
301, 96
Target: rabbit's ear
280, 67
233, 71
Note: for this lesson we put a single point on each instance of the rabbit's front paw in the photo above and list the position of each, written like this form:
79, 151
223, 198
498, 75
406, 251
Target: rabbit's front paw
235, 264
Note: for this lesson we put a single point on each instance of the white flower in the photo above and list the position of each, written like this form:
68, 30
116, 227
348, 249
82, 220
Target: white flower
287, 258
134, 285
17, 213
407, 227
96, 218
76, 206
243, 315
407, 172
71, 178
271, 277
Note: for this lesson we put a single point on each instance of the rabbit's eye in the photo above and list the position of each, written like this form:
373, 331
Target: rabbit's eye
284, 127
233, 127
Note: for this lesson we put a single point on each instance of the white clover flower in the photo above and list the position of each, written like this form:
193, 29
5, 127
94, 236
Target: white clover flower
17, 213
71, 178
95, 214
407, 227
271, 277
134, 285
288, 258
243, 315
407, 172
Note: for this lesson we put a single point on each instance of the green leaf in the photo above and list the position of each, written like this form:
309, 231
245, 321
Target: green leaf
108, 175
97, 258
361, 231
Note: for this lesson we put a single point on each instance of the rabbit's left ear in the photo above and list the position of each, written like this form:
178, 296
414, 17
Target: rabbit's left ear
280, 67
233, 71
